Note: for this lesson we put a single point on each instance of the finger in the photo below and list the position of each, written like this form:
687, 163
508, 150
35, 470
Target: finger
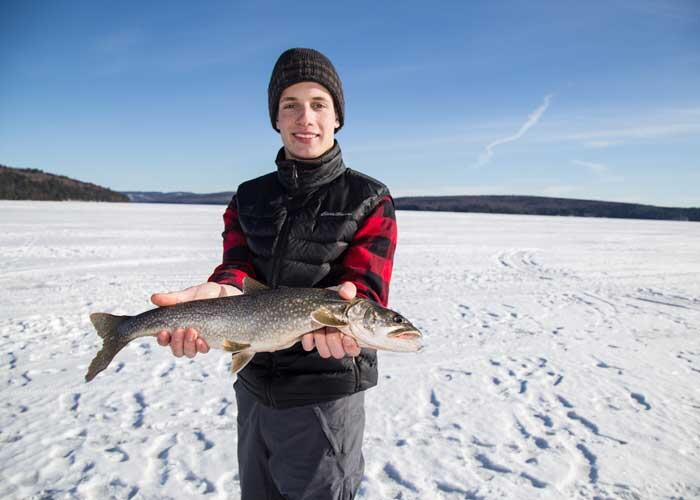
347, 290
321, 344
307, 341
161, 299
350, 346
202, 346
167, 299
188, 346
335, 344
206, 291
176, 339
172, 298
229, 291
163, 338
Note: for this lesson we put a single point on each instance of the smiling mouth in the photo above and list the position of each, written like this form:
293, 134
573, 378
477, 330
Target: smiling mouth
305, 136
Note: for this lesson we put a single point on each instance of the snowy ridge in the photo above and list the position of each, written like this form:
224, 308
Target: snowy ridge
562, 359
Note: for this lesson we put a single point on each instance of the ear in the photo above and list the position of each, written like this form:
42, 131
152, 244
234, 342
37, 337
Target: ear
337, 121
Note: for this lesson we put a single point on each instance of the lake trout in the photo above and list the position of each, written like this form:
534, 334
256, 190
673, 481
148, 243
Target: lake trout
259, 320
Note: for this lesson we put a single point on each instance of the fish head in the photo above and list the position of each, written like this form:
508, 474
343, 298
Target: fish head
381, 328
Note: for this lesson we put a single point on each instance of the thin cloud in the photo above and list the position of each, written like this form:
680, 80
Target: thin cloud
601, 171
610, 136
598, 168
600, 144
532, 120
559, 190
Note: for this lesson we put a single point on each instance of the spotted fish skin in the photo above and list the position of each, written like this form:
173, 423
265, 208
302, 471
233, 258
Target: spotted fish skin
265, 318
260, 320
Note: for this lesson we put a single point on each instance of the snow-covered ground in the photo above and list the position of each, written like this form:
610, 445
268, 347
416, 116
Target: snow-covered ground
562, 359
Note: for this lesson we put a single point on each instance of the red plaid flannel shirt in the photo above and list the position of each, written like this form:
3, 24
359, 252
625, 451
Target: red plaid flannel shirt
367, 262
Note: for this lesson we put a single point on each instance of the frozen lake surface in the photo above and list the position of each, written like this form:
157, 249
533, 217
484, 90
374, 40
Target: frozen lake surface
562, 359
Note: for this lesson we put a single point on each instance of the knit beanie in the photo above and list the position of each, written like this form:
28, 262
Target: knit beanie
304, 65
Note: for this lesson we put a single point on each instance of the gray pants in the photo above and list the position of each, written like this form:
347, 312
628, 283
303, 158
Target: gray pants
311, 452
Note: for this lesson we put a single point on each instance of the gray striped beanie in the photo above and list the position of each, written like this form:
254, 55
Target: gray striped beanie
304, 65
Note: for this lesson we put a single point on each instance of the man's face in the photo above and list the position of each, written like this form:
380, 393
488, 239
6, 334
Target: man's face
307, 121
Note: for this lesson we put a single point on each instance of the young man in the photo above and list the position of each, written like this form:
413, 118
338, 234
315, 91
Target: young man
312, 223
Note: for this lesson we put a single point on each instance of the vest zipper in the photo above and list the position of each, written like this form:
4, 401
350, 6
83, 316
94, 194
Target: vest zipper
356, 371
280, 247
295, 176
268, 382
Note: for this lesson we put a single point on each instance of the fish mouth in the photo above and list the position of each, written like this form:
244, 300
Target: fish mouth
405, 334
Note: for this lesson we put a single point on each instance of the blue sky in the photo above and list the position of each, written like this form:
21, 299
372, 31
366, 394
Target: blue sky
594, 100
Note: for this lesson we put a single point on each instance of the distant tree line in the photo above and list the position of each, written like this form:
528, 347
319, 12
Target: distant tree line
221, 198
34, 184
538, 205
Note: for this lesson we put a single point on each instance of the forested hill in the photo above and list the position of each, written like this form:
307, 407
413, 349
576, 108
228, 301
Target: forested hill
180, 197
526, 205
33, 184
539, 205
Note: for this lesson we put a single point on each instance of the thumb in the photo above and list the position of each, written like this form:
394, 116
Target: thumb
347, 290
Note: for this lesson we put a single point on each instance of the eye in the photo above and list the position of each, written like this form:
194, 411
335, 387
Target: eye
398, 319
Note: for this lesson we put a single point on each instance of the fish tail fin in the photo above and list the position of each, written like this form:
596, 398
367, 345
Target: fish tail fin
106, 326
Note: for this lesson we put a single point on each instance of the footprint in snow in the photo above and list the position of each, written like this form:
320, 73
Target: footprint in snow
206, 443
592, 462
199, 484
487, 464
117, 454
592, 427
639, 398
393, 474
141, 402
435, 402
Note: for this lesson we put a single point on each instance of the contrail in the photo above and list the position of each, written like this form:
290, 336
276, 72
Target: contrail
532, 120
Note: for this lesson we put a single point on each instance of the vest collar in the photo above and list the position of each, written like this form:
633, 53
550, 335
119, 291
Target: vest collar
299, 176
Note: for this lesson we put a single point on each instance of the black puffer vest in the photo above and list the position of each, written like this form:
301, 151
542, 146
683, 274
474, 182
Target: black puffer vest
298, 221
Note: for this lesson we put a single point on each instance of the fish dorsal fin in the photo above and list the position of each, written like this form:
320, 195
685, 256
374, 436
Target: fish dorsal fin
327, 317
253, 286
231, 346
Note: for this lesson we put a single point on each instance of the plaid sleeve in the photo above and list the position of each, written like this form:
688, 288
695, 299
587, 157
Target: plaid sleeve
236, 263
369, 260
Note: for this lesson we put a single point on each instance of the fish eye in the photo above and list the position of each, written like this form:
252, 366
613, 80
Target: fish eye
398, 319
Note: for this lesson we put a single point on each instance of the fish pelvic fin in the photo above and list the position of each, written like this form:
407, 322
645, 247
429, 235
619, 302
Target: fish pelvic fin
234, 347
240, 359
106, 326
253, 286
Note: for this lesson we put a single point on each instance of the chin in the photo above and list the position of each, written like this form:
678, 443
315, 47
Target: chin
306, 154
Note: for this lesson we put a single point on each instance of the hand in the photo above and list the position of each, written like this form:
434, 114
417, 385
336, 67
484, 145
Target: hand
186, 341
331, 341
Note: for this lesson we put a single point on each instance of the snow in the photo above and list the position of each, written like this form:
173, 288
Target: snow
562, 359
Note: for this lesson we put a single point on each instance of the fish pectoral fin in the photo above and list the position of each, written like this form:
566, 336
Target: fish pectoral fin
253, 286
328, 318
232, 346
240, 359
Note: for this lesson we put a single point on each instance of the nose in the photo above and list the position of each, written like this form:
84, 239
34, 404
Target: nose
304, 116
